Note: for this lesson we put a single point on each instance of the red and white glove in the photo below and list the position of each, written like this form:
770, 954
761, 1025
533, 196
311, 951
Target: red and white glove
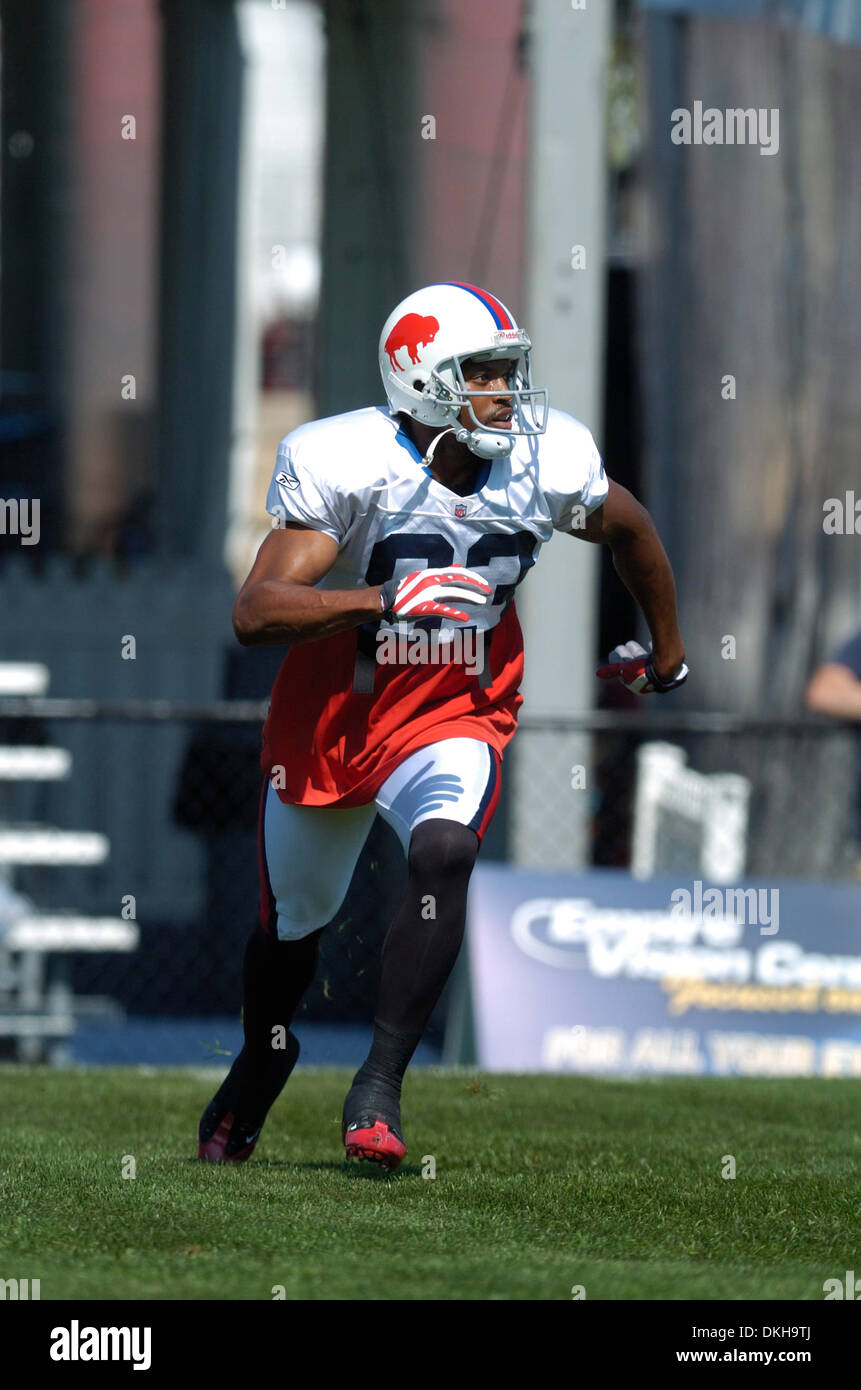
632, 665
429, 594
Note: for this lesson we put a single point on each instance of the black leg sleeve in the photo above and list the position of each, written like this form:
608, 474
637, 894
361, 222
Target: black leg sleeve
420, 948
275, 976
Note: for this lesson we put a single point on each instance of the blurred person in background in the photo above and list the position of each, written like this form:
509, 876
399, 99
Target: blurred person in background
835, 689
835, 686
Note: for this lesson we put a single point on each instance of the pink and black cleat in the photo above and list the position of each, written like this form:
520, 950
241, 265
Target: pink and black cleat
375, 1140
231, 1123
371, 1125
223, 1140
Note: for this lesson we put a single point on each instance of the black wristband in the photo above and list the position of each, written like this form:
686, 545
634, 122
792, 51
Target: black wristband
387, 598
660, 687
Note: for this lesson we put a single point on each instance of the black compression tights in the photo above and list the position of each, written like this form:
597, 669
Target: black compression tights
418, 954
275, 975
425, 937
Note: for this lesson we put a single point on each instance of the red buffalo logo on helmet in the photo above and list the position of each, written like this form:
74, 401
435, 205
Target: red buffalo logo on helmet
411, 332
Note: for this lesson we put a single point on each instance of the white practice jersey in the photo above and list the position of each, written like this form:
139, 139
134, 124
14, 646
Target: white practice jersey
359, 478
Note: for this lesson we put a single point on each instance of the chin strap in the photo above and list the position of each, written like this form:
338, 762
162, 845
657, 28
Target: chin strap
432, 446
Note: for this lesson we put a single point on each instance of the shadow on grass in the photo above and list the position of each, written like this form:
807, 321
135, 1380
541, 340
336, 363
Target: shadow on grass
356, 1170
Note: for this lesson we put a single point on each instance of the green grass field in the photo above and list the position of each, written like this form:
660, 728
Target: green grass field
542, 1182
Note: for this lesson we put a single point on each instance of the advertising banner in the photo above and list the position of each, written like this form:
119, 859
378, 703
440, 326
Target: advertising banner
600, 973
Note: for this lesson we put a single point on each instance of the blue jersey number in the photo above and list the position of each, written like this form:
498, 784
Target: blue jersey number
506, 558
494, 552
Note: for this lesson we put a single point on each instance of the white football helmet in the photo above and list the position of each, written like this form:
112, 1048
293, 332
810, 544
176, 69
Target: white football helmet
423, 345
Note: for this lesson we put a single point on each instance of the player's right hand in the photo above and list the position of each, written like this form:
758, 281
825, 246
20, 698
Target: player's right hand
430, 593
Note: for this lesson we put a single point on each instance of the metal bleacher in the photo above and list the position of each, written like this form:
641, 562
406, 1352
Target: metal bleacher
38, 1010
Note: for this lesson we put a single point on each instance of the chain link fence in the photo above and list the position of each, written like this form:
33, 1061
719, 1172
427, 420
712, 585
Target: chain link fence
129, 857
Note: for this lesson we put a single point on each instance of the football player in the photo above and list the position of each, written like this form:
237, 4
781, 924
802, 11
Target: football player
420, 517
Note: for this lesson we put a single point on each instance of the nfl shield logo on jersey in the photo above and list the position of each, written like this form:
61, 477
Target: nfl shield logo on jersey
460, 510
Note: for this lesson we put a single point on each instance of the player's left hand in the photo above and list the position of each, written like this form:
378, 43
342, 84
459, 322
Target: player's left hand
632, 665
